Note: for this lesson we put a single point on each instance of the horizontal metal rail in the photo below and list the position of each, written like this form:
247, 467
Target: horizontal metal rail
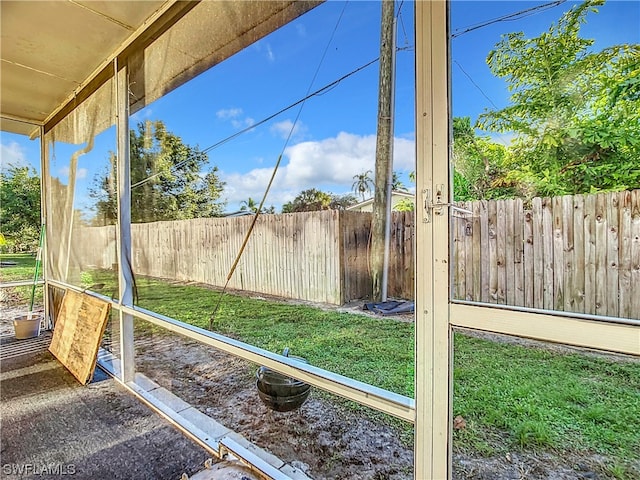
228, 445
20, 283
218, 443
68, 286
377, 398
369, 395
621, 338
558, 313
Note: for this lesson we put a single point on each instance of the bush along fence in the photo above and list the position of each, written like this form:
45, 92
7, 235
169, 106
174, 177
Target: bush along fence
571, 253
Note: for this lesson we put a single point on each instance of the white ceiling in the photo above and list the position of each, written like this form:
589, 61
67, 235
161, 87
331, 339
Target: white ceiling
50, 50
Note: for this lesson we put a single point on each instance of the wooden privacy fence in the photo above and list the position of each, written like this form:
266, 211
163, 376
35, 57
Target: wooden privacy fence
356, 264
572, 253
315, 256
290, 255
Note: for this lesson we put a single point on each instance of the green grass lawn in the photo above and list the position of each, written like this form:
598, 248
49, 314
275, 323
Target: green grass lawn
511, 396
546, 400
367, 349
23, 270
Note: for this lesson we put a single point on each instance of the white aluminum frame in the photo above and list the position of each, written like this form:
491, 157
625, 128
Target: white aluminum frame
123, 227
433, 333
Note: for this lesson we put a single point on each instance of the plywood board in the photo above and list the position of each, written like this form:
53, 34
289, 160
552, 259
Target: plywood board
78, 331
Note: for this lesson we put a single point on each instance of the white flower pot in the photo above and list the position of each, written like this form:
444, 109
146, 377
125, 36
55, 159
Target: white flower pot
26, 326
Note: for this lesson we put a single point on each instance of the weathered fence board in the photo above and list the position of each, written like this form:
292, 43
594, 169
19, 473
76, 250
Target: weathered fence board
467, 225
558, 271
635, 255
624, 258
485, 275
529, 263
494, 267
601, 255
459, 261
518, 253
589, 229
578, 255
501, 247
537, 234
572, 253
567, 250
547, 253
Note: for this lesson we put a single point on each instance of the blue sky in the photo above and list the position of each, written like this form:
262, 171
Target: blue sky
334, 137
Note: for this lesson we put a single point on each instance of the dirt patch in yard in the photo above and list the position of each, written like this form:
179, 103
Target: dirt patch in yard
325, 438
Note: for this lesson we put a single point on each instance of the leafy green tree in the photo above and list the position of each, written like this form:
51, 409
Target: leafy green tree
308, 201
250, 205
481, 168
405, 205
166, 180
363, 184
312, 199
575, 112
20, 208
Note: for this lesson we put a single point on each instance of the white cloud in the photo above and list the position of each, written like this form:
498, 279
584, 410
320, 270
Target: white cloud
243, 123
328, 164
270, 56
228, 113
12, 154
282, 129
80, 172
265, 47
234, 116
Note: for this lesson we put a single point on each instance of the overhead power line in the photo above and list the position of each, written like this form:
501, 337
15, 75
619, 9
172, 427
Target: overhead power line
320, 91
508, 18
475, 84
482, 92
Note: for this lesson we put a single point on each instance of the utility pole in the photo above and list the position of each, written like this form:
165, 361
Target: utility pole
384, 161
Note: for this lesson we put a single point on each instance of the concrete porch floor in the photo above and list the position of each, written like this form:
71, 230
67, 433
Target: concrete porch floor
50, 425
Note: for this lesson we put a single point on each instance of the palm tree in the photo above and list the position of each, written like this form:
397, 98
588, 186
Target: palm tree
396, 183
249, 204
363, 184
252, 206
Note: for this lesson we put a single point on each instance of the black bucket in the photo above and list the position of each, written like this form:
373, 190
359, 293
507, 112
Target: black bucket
279, 392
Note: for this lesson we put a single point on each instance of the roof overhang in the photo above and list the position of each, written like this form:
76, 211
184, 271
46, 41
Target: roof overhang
55, 53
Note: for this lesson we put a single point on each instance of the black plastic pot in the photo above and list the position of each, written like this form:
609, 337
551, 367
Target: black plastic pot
279, 392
